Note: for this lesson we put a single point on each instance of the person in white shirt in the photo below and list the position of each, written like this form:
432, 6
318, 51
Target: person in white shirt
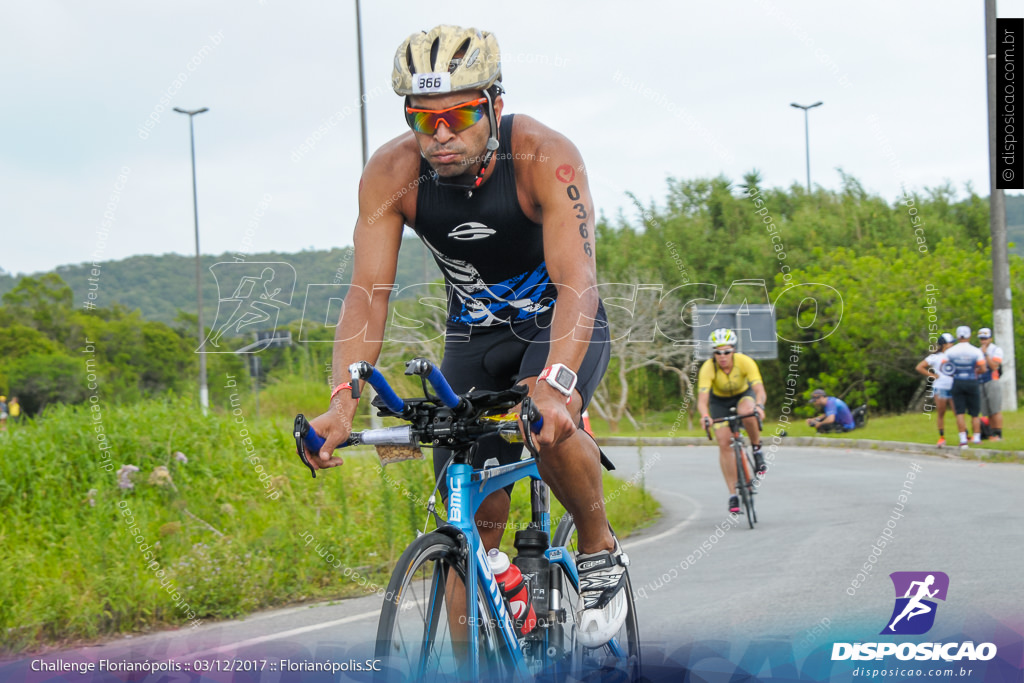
939, 371
968, 362
991, 388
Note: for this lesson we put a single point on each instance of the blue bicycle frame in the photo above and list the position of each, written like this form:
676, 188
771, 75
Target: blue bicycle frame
467, 490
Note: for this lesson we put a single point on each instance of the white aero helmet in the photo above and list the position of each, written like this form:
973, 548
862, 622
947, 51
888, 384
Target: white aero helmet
723, 336
446, 59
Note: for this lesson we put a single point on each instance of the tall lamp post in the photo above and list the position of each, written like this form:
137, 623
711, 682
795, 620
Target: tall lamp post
204, 396
807, 137
374, 419
1002, 296
362, 86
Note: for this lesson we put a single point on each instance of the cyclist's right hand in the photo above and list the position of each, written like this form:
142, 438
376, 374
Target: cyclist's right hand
705, 421
334, 428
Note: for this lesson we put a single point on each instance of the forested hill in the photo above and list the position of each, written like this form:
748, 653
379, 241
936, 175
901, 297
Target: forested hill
861, 286
160, 286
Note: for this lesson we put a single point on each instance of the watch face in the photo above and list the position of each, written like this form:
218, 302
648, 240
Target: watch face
564, 377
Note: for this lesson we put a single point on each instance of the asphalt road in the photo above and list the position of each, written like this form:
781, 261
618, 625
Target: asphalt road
701, 578
821, 512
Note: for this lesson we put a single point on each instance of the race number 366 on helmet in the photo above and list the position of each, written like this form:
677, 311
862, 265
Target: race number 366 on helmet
446, 59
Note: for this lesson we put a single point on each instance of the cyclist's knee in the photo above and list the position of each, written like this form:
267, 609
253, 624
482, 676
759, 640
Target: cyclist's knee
580, 444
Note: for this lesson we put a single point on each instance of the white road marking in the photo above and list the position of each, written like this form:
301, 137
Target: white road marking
276, 636
675, 529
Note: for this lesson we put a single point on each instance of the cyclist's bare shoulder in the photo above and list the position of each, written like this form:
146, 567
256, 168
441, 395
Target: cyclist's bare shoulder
543, 157
387, 189
531, 136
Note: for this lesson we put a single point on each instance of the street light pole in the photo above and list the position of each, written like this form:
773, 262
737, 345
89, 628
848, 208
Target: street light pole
1002, 308
807, 137
204, 396
362, 86
375, 421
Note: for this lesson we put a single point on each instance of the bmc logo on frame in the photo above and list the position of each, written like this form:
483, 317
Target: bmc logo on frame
912, 615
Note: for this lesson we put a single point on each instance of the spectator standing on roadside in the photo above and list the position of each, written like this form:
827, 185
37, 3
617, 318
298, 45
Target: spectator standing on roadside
968, 362
3, 413
939, 370
837, 417
14, 408
991, 388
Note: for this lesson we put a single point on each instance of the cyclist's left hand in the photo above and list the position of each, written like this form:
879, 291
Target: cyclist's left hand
558, 425
760, 412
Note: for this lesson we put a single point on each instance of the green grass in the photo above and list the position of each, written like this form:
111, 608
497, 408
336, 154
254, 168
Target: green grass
910, 427
923, 428
227, 544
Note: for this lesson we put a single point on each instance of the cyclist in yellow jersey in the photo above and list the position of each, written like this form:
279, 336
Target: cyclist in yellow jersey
731, 380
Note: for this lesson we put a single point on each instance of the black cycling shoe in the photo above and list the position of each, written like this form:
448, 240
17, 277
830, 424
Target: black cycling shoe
759, 465
734, 505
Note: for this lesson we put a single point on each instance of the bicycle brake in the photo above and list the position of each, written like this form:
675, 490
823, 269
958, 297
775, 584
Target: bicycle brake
529, 416
301, 431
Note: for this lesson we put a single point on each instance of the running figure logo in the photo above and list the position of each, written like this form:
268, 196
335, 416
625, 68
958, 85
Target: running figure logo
258, 292
914, 612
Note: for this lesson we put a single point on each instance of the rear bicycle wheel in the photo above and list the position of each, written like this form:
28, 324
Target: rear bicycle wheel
619, 659
419, 636
744, 473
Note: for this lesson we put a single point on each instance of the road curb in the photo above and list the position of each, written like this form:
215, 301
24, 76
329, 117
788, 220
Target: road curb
818, 442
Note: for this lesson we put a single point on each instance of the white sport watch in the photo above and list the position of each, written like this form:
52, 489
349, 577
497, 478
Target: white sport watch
561, 378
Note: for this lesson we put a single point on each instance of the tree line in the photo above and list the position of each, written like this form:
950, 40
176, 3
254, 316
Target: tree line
863, 283
159, 286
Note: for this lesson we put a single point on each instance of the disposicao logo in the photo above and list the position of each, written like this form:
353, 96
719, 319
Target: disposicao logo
916, 592
913, 615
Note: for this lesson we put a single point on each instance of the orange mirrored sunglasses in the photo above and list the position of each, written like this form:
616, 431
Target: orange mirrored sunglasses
457, 118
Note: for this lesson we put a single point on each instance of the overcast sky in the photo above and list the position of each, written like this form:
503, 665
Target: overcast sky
646, 90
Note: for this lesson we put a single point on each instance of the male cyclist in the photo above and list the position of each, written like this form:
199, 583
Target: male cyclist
504, 205
836, 415
968, 362
939, 370
990, 388
731, 380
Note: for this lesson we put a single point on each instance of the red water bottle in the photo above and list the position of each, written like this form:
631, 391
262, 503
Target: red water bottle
515, 590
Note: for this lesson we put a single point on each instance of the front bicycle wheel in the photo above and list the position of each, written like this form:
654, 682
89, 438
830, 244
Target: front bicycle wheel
744, 477
619, 659
752, 481
421, 636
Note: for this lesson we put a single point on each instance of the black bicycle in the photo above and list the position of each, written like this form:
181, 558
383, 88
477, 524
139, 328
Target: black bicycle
746, 488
